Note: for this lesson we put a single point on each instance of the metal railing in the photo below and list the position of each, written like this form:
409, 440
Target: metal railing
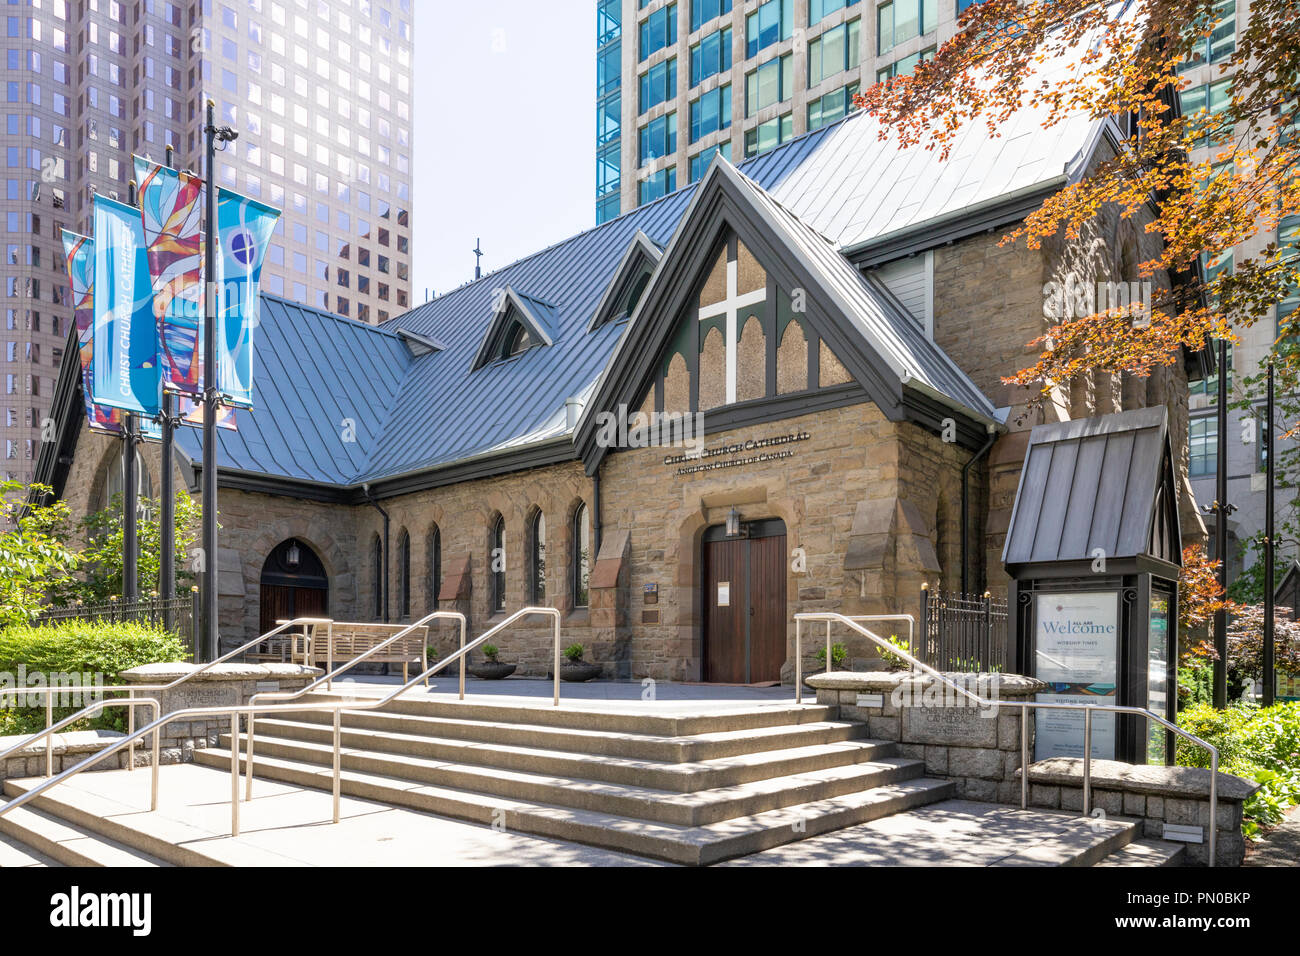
962, 632
798, 643
178, 615
94, 709
1025, 706
251, 708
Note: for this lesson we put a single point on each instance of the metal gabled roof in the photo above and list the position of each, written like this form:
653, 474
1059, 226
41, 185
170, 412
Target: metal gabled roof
323, 387
412, 413
890, 332
1095, 487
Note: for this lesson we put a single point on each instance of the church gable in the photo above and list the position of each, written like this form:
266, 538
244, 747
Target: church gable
742, 338
519, 323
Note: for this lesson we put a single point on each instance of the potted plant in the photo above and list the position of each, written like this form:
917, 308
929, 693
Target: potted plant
892, 661
574, 668
490, 668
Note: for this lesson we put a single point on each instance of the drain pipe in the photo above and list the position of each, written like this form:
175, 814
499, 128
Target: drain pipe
572, 415
965, 507
384, 575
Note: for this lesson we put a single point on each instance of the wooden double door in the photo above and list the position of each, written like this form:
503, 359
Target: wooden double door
744, 603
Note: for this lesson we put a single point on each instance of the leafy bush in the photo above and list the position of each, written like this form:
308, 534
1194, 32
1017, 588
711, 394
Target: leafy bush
80, 647
892, 661
490, 652
34, 554
839, 654
574, 652
1258, 744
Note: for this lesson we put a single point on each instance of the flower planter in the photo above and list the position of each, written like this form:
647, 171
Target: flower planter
487, 670
578, 672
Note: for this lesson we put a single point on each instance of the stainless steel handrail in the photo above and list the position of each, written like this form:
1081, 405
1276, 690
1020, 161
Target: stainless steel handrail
798, 657
1025, 706
337, 706
132, 689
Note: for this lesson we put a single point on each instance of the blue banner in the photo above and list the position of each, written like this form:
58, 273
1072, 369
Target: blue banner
244, 228
125, 371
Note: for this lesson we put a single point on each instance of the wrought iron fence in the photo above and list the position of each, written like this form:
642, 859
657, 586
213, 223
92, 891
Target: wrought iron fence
962, 632
180, 615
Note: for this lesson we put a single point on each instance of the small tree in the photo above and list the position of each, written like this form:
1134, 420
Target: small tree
1199, 596
104, 537
34, 552
1246, 643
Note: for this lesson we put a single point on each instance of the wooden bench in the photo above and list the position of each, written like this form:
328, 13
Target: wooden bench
344, 641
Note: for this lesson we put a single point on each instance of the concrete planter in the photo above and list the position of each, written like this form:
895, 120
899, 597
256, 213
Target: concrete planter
490, 670
579, 671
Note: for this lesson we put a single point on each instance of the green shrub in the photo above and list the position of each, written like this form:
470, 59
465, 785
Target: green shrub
839, 654
1258, 744
80, 647
490, 652
574, 652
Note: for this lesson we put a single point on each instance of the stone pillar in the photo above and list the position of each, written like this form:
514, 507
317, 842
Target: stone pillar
608, 594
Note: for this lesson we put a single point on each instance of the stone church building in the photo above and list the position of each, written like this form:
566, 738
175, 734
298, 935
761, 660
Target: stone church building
824, 330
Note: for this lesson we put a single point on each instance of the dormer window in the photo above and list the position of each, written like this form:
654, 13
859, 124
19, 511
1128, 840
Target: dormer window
629, 282
519, 323
517, 342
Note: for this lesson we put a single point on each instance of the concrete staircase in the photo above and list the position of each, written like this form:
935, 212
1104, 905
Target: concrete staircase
773, 784
685, 789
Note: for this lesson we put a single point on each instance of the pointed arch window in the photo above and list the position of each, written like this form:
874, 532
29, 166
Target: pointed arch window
435, 566
581, 569
404, 575
497, 564
377, 576
537, 559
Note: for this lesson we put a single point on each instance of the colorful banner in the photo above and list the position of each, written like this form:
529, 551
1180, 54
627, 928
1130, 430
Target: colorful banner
79, 254
172, 209
125, 371
244, 228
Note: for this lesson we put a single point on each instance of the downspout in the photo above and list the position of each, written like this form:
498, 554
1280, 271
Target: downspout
595, 513
965, 508
375, 504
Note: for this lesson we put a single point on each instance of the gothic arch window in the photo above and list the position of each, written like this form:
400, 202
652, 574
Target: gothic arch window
404, 575
377, 575
435, 566
537, 558
497, 564
581, 558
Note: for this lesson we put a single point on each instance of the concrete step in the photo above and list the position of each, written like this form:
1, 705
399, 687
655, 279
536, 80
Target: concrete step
960, 833
696, 808
67, 843
684, 777
15, 853
680, 749
600, 716
690, 845
1146, 852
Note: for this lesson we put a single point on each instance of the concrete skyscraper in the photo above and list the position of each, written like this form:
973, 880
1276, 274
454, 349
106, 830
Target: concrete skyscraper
320, 93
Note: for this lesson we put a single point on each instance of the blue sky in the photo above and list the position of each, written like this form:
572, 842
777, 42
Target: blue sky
490, 161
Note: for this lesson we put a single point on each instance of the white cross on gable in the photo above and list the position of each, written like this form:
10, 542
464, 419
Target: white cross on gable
731, 307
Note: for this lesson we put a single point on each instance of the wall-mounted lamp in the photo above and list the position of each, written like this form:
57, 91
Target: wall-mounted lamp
293, 555
733, 523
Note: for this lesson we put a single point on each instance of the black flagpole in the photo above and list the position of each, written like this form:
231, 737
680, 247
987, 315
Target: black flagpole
1268, 654
208, 650
1221, 532
167, 520
130, 492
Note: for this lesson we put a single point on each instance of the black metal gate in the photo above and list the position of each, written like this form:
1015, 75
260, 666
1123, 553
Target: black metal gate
963, 632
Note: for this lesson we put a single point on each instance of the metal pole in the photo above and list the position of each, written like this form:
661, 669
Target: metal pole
557, 661
208, 650
167, 520
1087, 761
130, 493
1269, 679
1221, 531
234, 774
338, 734
1024, 757
49, 737
798, 662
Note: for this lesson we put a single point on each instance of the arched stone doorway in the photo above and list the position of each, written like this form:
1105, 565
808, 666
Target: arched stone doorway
294, 584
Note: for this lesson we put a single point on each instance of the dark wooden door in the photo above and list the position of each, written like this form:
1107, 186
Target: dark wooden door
280, 603
744, 605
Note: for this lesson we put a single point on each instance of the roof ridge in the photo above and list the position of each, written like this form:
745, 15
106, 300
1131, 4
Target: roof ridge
326, 314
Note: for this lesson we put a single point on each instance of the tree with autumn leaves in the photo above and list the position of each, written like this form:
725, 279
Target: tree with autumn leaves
1127, 59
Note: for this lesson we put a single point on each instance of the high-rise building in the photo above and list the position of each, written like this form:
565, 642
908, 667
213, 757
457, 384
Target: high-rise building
680, 81
319, 92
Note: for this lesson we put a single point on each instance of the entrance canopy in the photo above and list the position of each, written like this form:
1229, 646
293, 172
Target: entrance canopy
1096, 488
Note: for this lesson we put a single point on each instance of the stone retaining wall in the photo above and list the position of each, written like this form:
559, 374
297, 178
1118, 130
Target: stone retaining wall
223, 685
68, 749
979, 748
